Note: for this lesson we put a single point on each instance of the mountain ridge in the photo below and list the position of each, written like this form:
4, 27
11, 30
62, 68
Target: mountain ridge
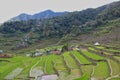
41, 15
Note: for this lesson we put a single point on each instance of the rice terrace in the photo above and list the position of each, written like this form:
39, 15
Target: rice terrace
60, 40
83, 62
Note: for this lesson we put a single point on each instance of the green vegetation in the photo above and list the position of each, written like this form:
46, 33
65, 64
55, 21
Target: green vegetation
71, 62
117, 57
82, 59
91, 48
52, 64
59, 64
115, 79
92, 55
10, 66
109, 49
101, 71
41, 64
81, 27
27, 65
115, 67
49, 70
84, 77
87, 72
78, 25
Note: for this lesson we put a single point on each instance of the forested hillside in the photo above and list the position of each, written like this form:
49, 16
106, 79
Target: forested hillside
102, 20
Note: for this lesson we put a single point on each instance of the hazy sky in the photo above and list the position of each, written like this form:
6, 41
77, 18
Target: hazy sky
11, 8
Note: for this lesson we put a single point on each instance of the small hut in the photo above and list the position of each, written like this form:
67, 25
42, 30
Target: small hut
97, 44
1, 51
38, 53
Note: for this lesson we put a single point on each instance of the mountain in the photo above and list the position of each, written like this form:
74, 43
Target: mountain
112, 11
90, 25
59, 25
41, 15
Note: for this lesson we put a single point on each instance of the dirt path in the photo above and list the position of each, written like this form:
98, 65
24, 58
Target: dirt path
45, 64
112, 77
34, 66
118, 75
93, 71
111, 71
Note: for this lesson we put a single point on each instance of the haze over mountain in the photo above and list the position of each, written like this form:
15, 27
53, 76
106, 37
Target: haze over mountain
41, 15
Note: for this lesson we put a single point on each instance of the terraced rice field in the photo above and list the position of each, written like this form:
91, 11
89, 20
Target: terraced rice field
115, 67
49, 70
70, 65
88, 71
26, 68
10, 66
117, 57
71, 62
101, 71
81, 58
91, 55
59, 64
109, 49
